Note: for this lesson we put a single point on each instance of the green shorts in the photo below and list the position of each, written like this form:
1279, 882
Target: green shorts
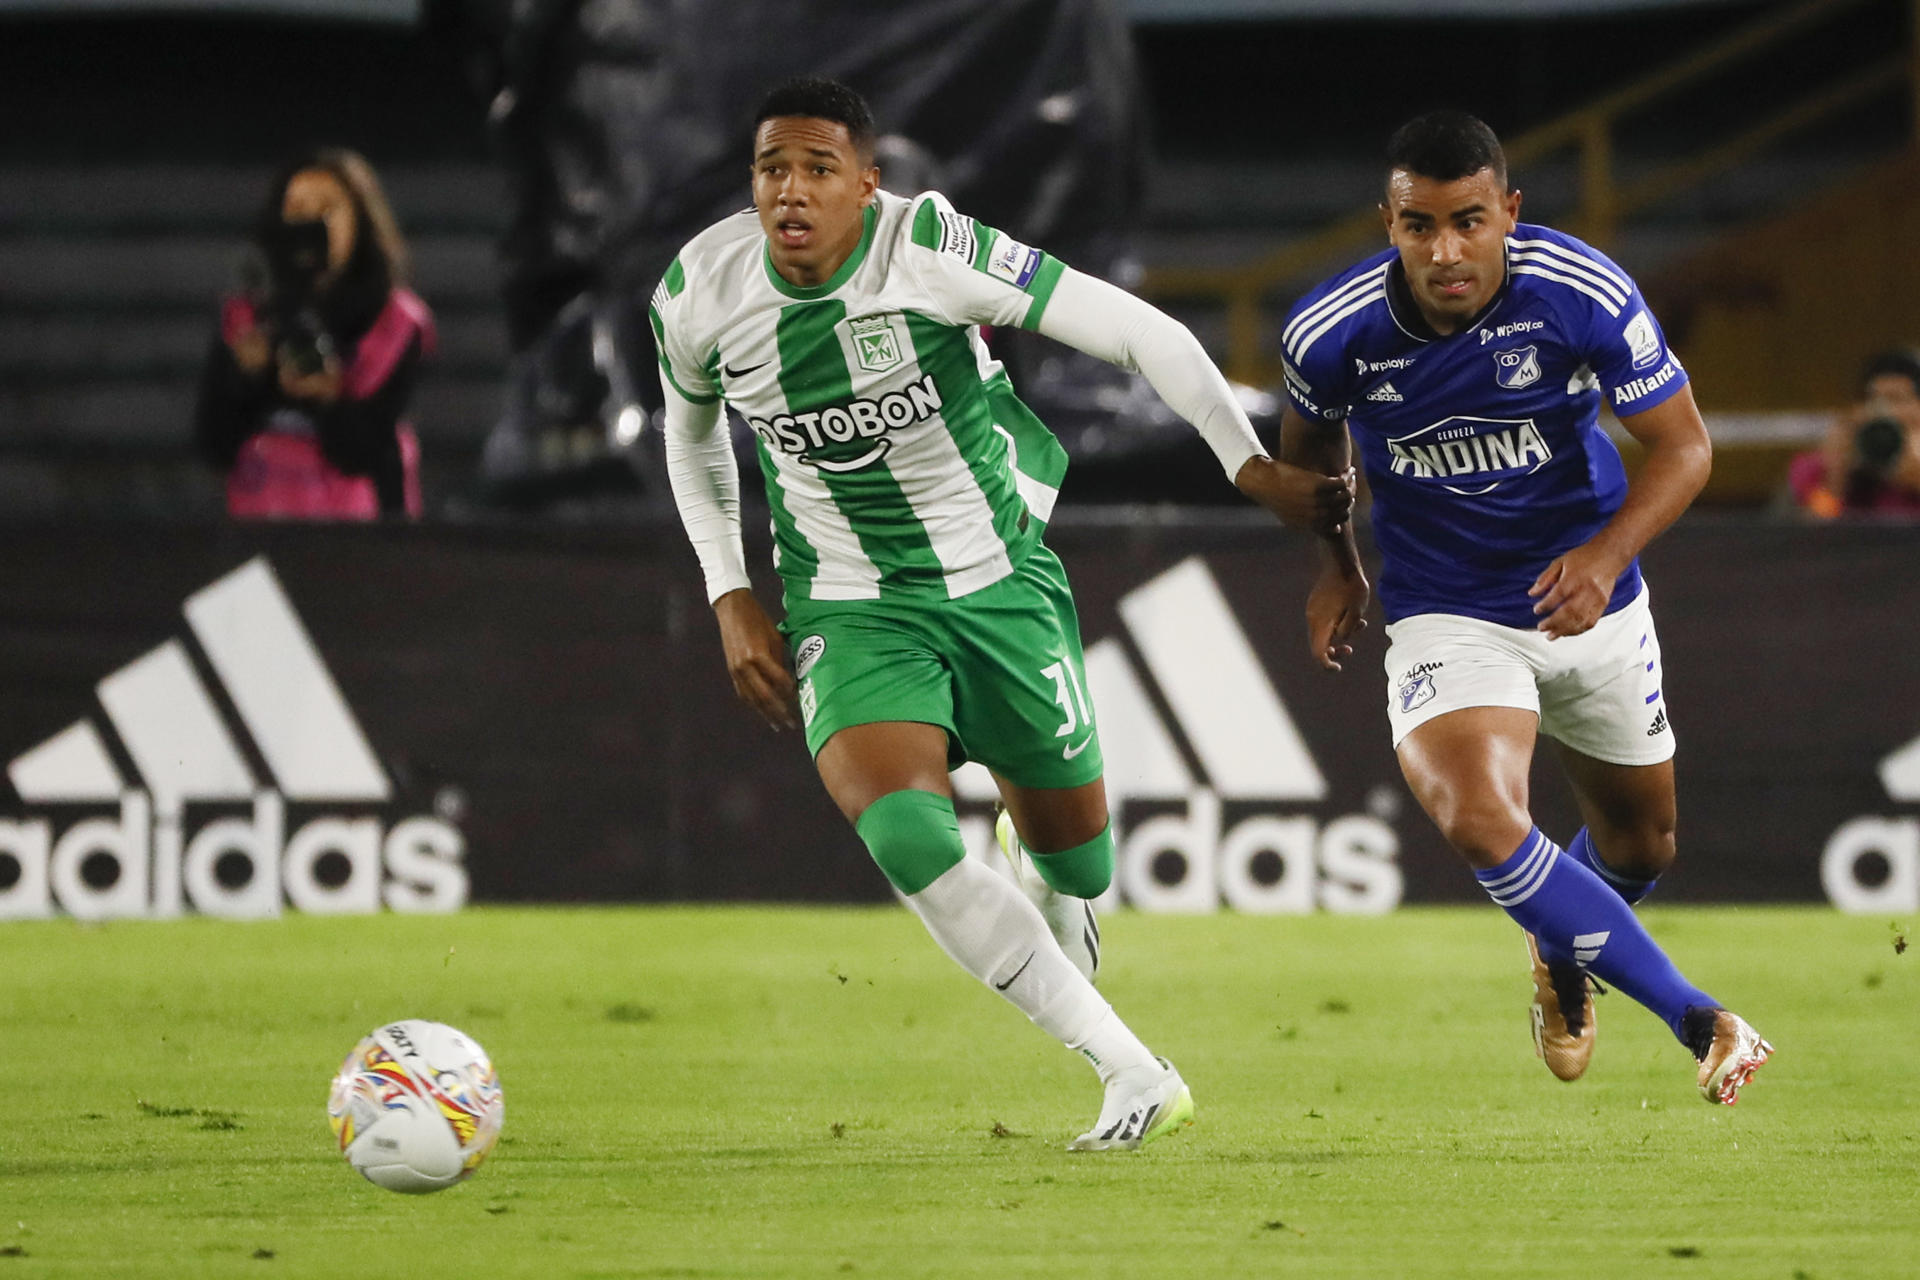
1000, 670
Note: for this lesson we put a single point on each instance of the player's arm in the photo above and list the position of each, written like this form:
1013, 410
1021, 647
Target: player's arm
1337, 605
1572, 593
1102, 320
706, 489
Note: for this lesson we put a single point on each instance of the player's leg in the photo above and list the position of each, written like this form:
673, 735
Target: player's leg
1630, 813
1021, 699
1467, 769
890, 780
1022, 707
1439, 665
1606, 710
1058, 844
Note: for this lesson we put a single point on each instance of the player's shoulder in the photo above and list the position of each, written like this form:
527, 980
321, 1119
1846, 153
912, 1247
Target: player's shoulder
929, 222
1566, 271
707, 262
1338, 310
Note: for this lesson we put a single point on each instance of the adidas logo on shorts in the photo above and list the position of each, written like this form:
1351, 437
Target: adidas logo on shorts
1659, 723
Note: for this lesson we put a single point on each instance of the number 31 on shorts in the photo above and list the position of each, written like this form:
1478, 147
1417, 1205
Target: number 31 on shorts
1071, 694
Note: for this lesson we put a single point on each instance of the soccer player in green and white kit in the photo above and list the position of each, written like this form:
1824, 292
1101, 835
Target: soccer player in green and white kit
928, 624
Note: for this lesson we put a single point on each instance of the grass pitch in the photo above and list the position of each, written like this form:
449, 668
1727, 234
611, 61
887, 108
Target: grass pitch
778, 1092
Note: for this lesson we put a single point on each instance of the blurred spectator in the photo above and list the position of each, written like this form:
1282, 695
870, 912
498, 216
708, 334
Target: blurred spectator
303, 392
1871, 459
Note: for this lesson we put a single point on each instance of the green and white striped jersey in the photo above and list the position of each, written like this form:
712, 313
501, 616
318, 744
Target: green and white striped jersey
898, 460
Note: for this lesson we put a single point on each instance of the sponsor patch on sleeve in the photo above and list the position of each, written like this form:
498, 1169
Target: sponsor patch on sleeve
1643, 340
1013, 262
956, 236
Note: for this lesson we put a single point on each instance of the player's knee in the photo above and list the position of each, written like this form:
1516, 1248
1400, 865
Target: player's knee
914, 836
1083, 871
1483, 829
1643, 851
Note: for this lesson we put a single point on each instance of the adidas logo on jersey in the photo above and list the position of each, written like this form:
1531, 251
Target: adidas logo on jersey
187, 754
1871, 864
1226, 738
1659, 723
1385, 394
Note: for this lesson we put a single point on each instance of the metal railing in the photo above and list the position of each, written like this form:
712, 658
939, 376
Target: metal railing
1603, 198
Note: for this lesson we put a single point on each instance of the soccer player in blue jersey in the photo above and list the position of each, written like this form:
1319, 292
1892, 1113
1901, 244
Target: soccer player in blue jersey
1469, 361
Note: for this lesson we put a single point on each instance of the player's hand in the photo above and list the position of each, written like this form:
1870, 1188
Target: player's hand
1301, 498
756, 658
1336, 611
1572, 594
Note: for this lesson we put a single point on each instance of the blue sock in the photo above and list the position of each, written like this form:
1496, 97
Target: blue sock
1577, 917
1626, 886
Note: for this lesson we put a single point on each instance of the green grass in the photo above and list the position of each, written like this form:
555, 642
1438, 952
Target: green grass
770, 1092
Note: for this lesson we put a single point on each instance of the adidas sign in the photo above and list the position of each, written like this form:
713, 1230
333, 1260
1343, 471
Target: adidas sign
1228, 797
1385, 394
1871, 864
284, 737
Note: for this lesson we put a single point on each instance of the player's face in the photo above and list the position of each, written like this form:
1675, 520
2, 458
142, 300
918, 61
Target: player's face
812, 188
1452, 241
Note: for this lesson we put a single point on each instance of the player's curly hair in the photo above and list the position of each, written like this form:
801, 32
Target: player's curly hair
822, 99
1445, 145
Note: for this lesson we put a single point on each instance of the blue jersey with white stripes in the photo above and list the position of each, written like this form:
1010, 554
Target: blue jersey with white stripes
1483, 447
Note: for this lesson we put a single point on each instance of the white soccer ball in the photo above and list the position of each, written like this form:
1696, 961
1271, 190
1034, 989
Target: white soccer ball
416, 1106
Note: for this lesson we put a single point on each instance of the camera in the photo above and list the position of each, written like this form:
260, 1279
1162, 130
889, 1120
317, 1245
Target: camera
1877, 447
296, 258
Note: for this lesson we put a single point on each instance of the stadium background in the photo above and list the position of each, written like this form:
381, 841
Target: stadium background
545, 681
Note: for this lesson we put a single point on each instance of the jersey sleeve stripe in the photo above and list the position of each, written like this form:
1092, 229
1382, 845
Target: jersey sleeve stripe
1310, 314
926, 225
675, 281
1361, 303
1533, 269
1045, 279
1613, 280
666, 367
1573, 268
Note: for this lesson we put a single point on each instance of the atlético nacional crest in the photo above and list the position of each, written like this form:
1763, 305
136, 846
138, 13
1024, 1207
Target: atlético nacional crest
875, 344
1517, 368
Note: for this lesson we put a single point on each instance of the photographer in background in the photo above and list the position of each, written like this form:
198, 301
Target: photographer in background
1871, 459
302, 396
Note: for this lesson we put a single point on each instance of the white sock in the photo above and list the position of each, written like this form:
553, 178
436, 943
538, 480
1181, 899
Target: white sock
990, 929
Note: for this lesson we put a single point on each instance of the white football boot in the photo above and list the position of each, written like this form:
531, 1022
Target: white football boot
1069, 919
1137, 1111
1734, 1052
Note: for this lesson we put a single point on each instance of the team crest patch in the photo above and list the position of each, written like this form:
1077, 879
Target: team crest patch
1416, 689
807, 654
1517, 368
875, 345
1013, 262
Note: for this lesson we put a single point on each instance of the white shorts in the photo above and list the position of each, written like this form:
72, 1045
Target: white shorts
1598, 692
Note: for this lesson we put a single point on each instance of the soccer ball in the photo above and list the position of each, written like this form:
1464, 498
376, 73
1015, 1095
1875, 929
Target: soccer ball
416, 1106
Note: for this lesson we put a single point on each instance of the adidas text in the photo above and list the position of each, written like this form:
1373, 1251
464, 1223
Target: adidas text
184, 815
